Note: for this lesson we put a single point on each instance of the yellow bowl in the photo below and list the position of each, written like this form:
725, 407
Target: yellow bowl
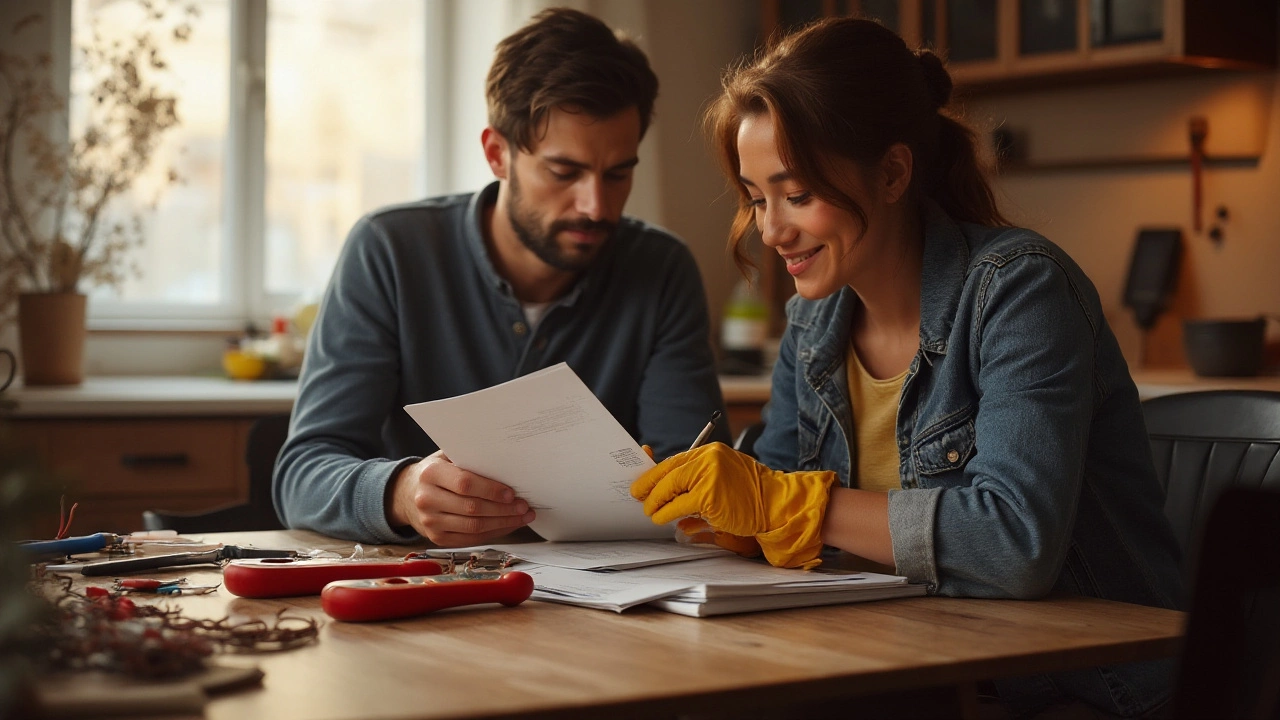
240, 365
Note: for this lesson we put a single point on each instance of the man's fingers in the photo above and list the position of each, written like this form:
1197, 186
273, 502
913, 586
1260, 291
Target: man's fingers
444, 501
465, 540
462, 482
440, 523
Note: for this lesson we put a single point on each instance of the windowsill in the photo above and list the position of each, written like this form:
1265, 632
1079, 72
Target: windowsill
167, 326
152, 396
163, 395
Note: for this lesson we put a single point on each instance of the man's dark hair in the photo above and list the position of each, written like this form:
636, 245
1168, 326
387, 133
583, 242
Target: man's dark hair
569, 60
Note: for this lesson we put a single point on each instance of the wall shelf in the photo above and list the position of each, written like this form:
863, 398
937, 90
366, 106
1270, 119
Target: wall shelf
1125, 163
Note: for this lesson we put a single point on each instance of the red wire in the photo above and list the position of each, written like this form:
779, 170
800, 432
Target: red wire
64, 517
71, 515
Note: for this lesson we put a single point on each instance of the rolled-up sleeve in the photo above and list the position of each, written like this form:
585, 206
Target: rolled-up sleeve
1005, 531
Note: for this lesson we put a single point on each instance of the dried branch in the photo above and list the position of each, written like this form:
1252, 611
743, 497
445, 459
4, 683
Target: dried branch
57, 192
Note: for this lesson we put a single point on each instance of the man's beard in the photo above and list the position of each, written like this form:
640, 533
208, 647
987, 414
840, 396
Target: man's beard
543, 243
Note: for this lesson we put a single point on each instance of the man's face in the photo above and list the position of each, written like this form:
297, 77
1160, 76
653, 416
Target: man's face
567, 194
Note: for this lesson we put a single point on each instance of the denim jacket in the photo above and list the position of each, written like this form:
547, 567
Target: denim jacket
1023, 455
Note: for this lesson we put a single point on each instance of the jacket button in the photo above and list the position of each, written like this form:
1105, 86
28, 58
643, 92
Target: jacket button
952, 456
520, 328
540, 344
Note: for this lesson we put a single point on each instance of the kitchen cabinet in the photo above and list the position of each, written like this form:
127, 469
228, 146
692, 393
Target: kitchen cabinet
122, 445
115, 468
1042, 43
994, 45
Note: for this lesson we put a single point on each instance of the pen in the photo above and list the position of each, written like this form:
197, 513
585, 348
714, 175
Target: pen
706, 431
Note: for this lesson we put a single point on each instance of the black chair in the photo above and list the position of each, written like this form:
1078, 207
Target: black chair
746, 440
1230, 663
1206, 442
266, 437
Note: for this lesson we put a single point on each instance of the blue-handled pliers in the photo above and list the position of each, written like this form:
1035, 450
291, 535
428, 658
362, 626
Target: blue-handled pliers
71, 546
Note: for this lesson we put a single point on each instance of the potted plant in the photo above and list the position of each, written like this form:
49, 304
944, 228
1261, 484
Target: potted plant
60, 231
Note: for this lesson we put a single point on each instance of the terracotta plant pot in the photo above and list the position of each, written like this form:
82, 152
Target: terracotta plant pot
51, 333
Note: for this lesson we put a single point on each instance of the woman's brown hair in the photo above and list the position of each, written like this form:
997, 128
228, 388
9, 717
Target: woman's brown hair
847, 89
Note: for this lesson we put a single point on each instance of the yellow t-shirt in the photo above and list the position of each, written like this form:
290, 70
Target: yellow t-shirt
875, 417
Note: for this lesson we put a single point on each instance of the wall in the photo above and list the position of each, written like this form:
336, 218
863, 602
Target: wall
698, 40
1095, 214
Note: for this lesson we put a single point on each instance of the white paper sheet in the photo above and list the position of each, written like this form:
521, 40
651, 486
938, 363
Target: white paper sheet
720, 585
552, 441
608, 555
614, 591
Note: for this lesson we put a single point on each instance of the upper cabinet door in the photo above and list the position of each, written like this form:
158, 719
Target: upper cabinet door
972, 30
1048, 26
1121, 22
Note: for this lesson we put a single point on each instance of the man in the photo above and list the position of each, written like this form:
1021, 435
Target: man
454, 294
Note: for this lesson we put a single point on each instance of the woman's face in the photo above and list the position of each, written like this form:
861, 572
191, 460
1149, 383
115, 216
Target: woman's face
819, 242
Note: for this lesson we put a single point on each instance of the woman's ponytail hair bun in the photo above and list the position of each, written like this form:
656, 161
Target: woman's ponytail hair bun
936, 78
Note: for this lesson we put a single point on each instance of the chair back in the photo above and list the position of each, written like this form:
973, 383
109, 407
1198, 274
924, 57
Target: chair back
746, 441
1230, 663
262, 447
265, 438
1206, 442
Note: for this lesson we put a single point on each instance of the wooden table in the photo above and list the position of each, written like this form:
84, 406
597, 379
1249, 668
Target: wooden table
542, 659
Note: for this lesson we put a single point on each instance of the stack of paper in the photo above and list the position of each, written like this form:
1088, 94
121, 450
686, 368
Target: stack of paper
609, 555
713, 586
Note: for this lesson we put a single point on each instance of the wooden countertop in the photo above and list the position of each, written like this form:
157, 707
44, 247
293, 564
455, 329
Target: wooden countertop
1156, 382
190, 396
125, 396
152, 396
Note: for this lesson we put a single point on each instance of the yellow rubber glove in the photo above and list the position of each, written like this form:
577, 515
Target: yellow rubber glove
700, 531
737, 495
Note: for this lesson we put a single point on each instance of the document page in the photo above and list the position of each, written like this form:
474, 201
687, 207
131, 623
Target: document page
550, 439
608, 555
711, 586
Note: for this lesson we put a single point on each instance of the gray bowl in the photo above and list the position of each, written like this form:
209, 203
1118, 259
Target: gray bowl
1224, 348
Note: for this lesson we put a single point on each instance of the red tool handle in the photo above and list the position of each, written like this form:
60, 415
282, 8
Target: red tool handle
402, 597
141, 583
285, 577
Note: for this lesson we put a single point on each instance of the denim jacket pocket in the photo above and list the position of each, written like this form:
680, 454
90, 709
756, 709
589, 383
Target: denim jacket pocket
810, 442
946, 446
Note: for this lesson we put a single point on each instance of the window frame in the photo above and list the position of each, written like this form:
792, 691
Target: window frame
242, 284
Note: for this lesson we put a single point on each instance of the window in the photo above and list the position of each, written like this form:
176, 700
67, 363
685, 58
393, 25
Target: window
298, 116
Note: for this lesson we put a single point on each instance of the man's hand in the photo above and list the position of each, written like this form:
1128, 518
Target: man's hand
452, 507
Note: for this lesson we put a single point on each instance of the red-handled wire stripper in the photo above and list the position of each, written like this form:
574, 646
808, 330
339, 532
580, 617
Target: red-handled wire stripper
285, 577
402, 597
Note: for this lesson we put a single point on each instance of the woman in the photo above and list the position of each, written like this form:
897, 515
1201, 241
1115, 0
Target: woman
948, 398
